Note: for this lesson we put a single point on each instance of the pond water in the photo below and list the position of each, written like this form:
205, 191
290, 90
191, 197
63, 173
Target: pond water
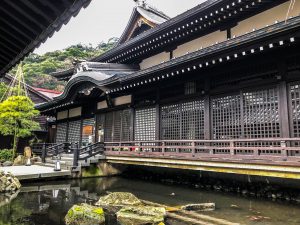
46, 203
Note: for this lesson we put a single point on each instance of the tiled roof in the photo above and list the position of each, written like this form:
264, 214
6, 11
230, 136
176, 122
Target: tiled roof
25, 24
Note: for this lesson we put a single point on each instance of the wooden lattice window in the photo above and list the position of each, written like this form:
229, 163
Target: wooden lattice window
61, 132
171, 122
117, 126
294, 92
193, 120
226, 117
249, 114
126, 125
74, 131
261, 114
108, 127
183, 121
145, 124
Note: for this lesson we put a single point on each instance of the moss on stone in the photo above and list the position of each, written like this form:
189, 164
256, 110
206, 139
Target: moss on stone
119, 199
141, 215
92, 171
85, 214
98, 211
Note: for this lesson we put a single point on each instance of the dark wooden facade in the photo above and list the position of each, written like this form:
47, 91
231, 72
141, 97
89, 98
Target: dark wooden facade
236, 97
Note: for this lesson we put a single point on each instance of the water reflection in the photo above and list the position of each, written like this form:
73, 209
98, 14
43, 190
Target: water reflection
47, 203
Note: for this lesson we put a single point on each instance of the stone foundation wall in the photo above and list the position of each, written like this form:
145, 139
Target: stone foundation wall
101, 169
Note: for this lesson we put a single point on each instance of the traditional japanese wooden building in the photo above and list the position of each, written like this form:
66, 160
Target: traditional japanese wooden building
219, 80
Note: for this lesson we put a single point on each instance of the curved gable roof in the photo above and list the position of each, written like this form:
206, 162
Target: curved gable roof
142, 13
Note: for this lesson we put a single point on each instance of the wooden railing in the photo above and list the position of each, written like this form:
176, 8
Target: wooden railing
279, 148
38, 148
53, 149
87, 152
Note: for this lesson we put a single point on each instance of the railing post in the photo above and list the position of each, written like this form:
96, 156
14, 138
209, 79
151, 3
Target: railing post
75, 156
193, 149
44, 153
283, 144
90, 150
163, 149
232, 148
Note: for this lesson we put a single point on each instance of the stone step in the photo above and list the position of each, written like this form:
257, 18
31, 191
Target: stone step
51, 161
67, 158
51, 165
67, 155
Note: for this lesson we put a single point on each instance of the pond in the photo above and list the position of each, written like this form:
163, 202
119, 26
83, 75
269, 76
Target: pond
46, 203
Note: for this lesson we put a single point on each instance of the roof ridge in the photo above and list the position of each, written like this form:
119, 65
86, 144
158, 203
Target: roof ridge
182, 16
155, 10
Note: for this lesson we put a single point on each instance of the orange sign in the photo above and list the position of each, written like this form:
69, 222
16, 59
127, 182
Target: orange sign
87, 130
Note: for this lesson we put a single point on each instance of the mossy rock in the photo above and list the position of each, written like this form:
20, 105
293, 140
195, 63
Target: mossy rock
141, 215
20, 160
119, 199
8, 182
85, 214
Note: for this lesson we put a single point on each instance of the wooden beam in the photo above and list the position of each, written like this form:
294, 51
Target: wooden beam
11, 36
16, 6
9, 44
37, 10
5, 46
17, 29
18, 21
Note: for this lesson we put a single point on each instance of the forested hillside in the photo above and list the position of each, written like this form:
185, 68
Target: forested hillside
37, 67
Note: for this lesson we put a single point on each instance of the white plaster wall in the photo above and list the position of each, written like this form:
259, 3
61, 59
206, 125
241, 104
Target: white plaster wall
203, 42
62, 115
266, 18
102, 105
155, 60
122, 100
75, 112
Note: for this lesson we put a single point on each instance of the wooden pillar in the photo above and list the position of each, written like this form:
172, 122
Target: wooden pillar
283, 110
283, 104
67, 134
283, 101
132, 118
81, 127
157, 121
207, 113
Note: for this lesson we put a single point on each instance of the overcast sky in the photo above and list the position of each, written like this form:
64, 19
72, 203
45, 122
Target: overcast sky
102, 20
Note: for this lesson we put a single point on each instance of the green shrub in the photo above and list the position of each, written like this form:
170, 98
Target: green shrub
6, 154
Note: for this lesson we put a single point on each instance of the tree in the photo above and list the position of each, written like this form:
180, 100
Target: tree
37, 67
16, 118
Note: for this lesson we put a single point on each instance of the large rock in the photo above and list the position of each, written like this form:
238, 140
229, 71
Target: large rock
36, 159
6, 198
7, 163
20, 160
8, 182
141, 215
85, 214
119, 199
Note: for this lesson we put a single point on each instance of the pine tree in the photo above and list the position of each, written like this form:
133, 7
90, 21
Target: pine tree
17, 111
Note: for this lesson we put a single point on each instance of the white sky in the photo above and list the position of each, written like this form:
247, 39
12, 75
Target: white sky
104, 19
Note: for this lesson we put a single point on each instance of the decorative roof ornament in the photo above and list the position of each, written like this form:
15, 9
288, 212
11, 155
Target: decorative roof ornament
141, 3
